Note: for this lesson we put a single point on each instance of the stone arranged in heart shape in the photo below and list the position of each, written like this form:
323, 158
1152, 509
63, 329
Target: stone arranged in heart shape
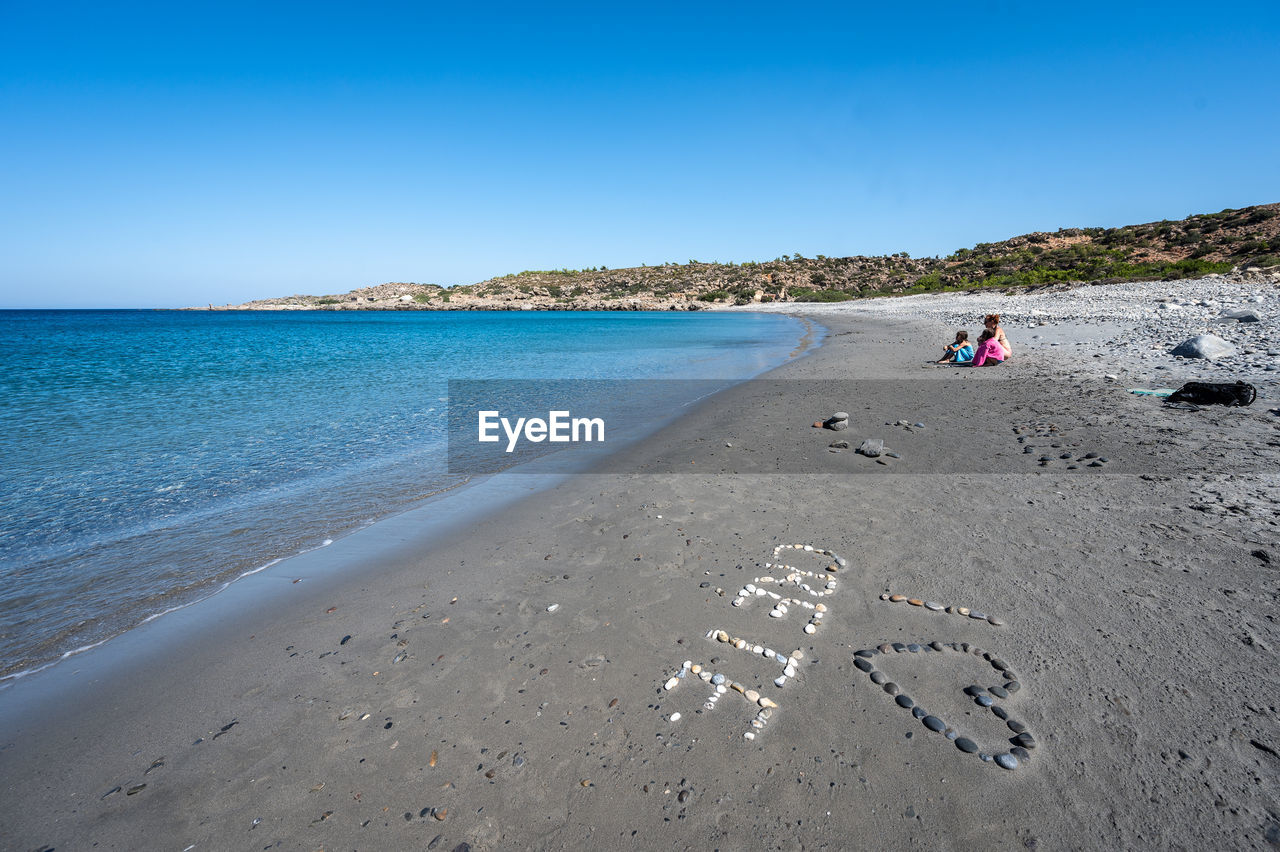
1023, 740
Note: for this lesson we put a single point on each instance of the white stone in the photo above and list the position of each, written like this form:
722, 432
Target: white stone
671, 683
675, 717
1207, 346
809, 628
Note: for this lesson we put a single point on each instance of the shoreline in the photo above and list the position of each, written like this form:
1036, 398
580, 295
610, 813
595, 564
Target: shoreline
513, 676
467, 502
92, 624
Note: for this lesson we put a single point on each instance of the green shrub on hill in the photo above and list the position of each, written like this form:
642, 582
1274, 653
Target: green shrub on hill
804, 294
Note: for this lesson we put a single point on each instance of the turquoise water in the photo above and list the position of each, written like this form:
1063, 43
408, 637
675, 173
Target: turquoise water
151, 457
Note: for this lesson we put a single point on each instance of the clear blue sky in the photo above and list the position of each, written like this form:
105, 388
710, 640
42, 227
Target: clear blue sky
173, 154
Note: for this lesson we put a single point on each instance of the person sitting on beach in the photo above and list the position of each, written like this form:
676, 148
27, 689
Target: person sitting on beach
989, 351
961, 352
992, 321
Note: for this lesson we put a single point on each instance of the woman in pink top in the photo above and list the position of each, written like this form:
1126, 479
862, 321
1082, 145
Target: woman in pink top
989, 352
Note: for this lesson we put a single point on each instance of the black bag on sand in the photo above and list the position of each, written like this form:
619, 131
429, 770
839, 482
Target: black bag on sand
1215, 393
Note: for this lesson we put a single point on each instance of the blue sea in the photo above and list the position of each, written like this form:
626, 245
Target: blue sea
149, 458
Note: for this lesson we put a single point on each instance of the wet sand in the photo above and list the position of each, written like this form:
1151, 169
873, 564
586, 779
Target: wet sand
434, 699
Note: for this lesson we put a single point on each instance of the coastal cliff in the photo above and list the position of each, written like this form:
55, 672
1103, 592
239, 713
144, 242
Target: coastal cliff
1198, 245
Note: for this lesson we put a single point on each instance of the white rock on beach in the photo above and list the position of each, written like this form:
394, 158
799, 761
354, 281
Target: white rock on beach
1207, 346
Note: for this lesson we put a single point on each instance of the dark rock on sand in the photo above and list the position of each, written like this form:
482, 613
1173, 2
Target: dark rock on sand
966, 745
1025, 740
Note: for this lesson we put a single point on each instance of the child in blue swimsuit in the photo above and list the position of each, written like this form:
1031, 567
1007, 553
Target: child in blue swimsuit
960, 352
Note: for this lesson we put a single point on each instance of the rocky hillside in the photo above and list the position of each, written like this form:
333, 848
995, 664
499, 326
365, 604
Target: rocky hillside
1197, 245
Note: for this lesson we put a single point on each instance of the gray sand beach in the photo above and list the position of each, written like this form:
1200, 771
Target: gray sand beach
506, 688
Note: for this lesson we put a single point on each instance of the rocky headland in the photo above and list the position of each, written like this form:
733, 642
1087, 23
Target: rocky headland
1246, 239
